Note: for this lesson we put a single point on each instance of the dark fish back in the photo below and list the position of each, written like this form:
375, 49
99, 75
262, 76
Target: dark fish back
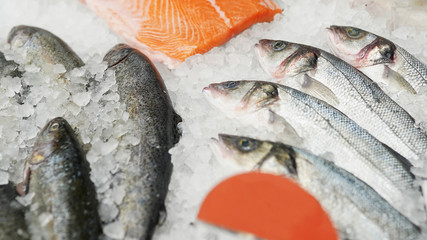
142, 90
63, 188
12, 215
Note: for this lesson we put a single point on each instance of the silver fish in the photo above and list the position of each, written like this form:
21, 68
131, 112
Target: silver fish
147, 178
325, 76
356, 210
325, 129
41, 47
364, 50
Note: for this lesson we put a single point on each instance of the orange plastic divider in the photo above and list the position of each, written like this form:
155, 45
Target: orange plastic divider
268, 206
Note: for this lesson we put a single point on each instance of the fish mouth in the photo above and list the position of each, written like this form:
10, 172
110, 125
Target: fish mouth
19, 35
259, 51
117, 54
219, 148
333, 36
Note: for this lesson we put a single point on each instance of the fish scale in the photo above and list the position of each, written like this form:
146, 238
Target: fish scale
345, 133
359, 97
147, 176
382, 117
356, 210
64, 205
12, 218
365, 50
414, 71
325, 129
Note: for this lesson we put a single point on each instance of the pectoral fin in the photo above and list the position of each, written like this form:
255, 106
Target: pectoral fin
317, 89
289, 131
397, 79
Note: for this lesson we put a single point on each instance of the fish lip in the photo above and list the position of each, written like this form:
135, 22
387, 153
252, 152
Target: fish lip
219, 147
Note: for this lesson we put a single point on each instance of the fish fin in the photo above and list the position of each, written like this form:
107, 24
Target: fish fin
22, 187
177, 131
317, 89
162, 214
289, 130
398, 79
406, 164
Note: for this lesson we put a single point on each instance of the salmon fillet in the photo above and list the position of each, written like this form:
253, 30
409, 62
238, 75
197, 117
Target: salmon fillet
172, 30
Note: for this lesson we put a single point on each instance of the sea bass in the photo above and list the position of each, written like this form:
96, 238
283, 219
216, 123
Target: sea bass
357, 211
12, 215
364, 50
147, 177
64, 205
40, 47
325, 76
325, 129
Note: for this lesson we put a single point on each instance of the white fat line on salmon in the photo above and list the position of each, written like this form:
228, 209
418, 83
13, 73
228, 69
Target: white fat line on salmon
221, 13
268, 3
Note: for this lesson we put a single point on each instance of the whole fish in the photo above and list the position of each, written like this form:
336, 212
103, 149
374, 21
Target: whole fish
12, 215
364, 50
64, 205
325, 129
357, 211
325, 76
41, 47
8, 67
147, 177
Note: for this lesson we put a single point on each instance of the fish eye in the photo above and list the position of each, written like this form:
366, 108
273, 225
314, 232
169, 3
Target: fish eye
231, 84
388, 55
245, 144
279, 45
270, 91
54, 127
353, 32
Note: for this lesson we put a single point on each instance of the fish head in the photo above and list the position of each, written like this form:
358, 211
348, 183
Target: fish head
359, 47
241, 97
252, 154
117, 54
285, 59
50, 139
20, 35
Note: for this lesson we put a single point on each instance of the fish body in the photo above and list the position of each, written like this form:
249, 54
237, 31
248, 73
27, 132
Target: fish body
170, 31
12, 215
147, 177
347, 89
64, 205
324, 130
357, 211
364, 50
41, 46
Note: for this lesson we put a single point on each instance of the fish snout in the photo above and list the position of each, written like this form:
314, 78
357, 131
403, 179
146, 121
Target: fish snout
19, 35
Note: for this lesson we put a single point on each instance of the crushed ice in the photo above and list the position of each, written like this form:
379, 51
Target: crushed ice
103, 127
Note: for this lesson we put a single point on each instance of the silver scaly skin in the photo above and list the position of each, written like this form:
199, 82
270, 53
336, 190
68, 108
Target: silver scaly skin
356, 210
147, 176
363, 49
327, 77
324, 130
